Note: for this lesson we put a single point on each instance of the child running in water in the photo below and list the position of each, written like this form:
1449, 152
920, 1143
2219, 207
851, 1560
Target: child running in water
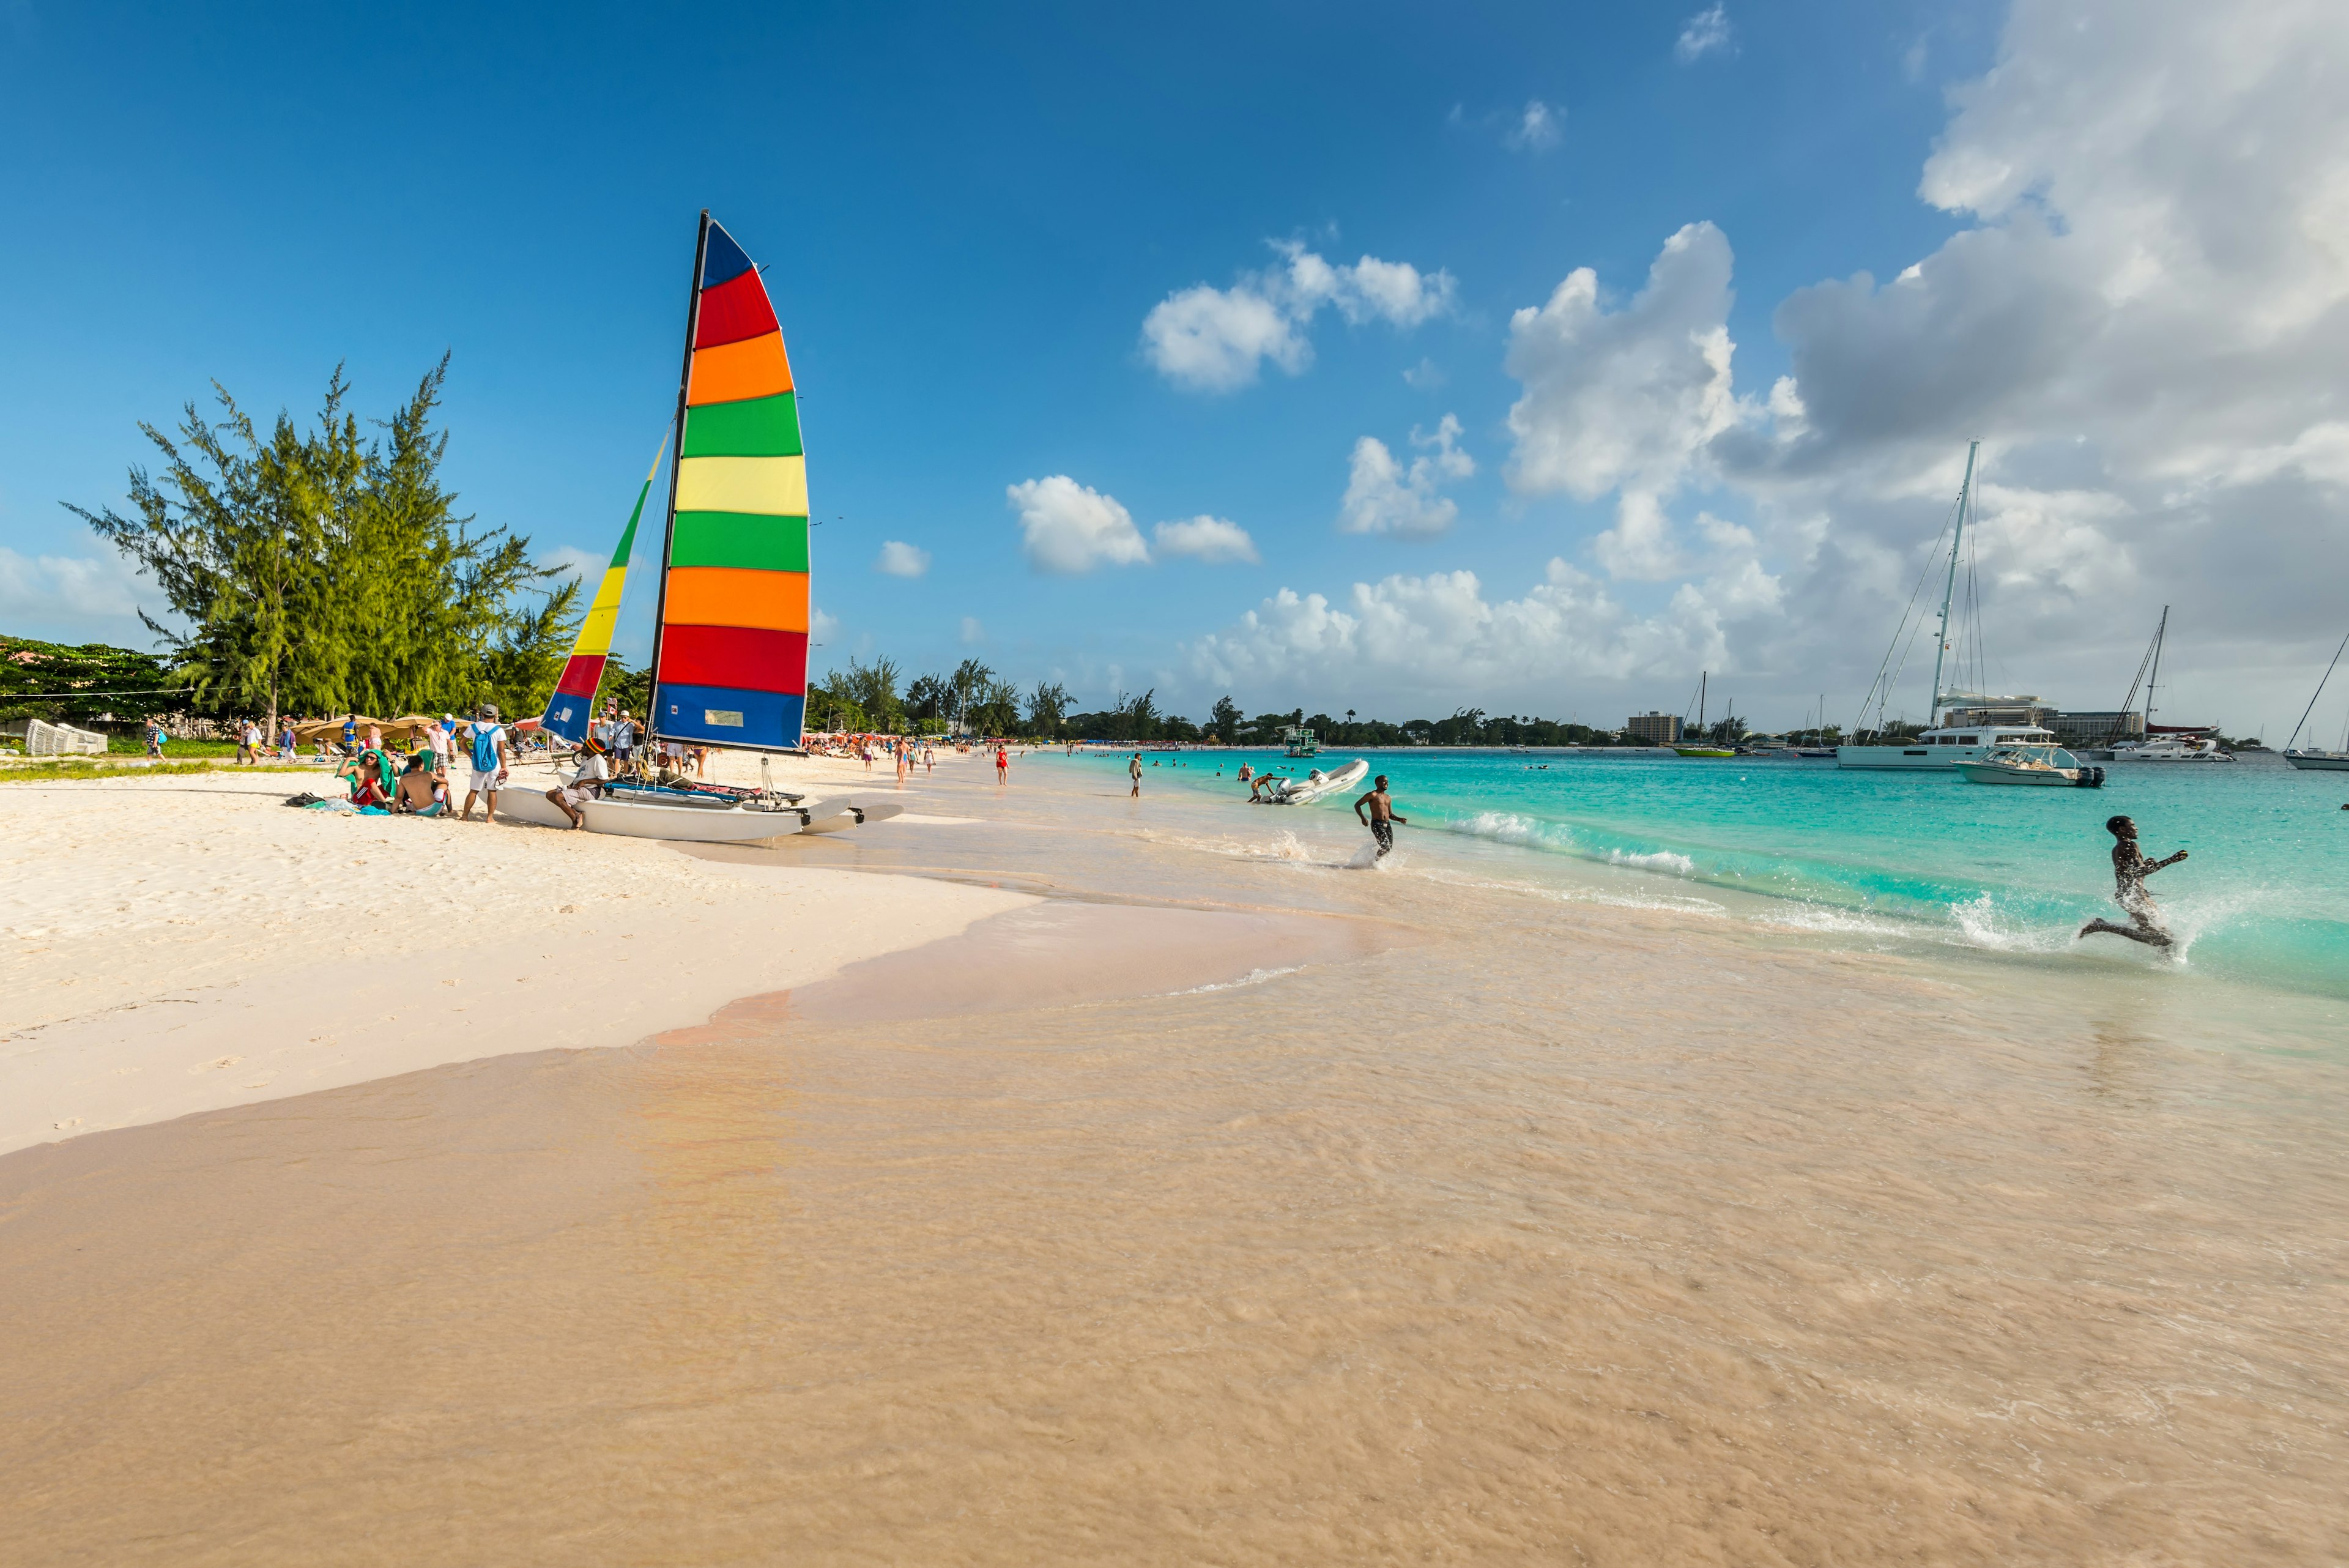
2130, 869
1382, 816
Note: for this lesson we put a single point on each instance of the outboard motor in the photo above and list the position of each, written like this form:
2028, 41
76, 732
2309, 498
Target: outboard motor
2090, 778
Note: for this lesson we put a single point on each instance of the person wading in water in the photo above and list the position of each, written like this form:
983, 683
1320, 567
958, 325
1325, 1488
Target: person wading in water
2130, 869
1382, 817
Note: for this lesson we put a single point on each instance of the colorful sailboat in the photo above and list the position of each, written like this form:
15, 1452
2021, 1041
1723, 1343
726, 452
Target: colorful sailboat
730, 638
572, 708
731, 646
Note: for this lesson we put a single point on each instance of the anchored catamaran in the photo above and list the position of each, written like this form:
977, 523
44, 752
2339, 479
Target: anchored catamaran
1965, 726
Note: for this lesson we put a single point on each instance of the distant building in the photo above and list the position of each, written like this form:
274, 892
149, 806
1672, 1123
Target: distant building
2095, 729
1989, 710
1656, 729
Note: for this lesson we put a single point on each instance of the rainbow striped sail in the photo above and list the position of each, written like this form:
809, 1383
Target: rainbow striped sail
730, 660
572, 707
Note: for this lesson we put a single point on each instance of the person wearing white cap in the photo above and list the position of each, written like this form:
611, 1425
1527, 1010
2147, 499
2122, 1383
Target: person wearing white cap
487, 756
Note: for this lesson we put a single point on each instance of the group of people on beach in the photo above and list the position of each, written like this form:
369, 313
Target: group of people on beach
422, 779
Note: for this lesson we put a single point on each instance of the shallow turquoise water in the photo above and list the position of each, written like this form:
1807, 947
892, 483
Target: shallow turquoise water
2264, 897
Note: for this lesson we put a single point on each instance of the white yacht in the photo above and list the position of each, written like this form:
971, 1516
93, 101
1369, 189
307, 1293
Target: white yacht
2163, 742
1967, 726
1948, 743
2188, 747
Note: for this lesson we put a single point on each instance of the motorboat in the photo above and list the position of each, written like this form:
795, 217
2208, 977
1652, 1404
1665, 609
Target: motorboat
2031, 765
1314, 785
2171, 748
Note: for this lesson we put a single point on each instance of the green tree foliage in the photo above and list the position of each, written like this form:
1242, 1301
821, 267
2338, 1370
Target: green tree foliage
968, 684
999, 712
929, 699
872, 688
317, 570
71, 681
1224, 719
1046, 705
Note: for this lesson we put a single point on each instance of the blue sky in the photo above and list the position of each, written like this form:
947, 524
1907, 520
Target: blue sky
966, 218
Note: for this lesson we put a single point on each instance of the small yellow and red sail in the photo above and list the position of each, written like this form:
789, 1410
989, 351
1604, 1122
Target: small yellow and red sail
731, 648
572, 707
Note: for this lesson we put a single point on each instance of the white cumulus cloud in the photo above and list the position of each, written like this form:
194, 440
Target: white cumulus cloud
1384, 496
1431, 635
1537, 127
1217, 339
75, 597
1627, 399
1204, 538
1068, 527
899, 559
1703, 34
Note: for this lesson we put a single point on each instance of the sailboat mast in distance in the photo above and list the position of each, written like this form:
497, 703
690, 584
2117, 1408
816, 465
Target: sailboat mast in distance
1949, 589
732, 633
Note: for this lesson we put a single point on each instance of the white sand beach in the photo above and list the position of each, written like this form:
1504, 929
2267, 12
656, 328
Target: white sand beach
185, 943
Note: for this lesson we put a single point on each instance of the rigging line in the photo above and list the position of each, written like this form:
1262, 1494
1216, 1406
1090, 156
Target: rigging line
2317, 693
108, 691
1924, 572
1915, 630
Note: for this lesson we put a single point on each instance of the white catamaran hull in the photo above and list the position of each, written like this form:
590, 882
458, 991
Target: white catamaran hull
2320, 762
633, 819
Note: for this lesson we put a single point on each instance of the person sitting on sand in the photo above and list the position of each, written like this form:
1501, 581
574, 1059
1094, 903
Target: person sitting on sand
370, 781
418, 793
584, 785
2130, 869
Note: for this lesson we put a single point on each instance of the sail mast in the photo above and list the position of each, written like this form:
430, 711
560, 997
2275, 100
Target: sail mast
2317, 693
1949, 589
669, 528
2153, 682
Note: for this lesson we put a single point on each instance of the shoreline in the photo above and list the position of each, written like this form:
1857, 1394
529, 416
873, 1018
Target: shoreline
1468, 1215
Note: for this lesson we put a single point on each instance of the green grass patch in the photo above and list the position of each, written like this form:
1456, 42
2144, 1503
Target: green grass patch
135, 745
45, 773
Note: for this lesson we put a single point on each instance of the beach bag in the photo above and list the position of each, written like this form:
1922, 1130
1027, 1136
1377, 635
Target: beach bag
485, 751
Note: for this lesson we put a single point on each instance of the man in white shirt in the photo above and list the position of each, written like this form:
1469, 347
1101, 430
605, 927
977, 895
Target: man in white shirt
583, 785
487, 753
